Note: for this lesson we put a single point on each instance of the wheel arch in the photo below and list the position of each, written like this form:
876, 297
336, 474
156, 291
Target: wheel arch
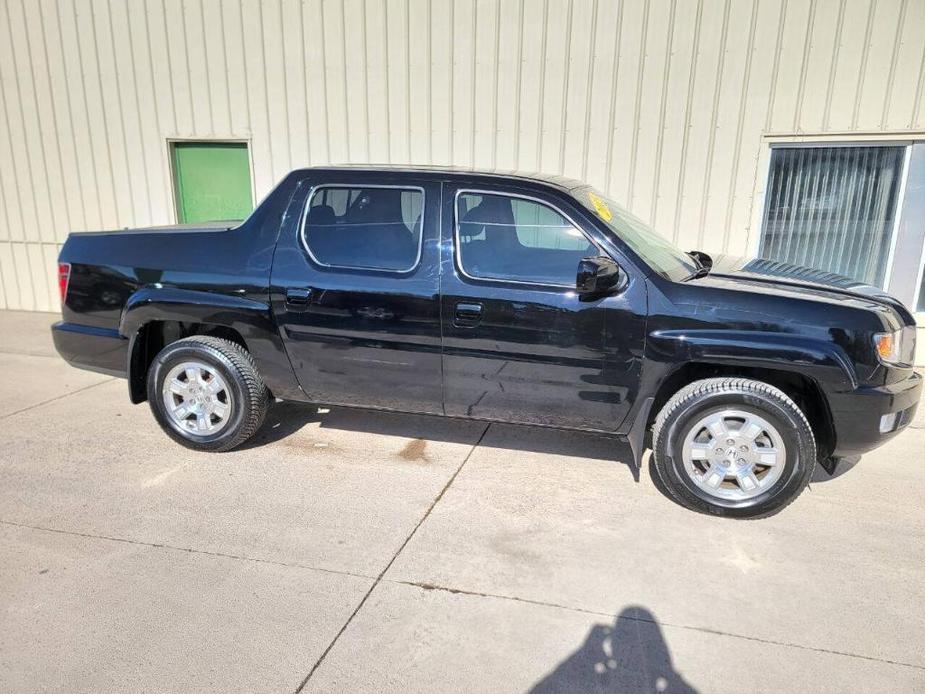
804, 390
155, 317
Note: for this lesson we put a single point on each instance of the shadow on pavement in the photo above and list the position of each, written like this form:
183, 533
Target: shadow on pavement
629, 657
286, 419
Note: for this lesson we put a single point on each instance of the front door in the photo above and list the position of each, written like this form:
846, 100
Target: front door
354, 289
519, 344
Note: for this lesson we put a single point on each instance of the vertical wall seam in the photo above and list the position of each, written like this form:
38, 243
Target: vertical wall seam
917, 101
894, 59
452, 78
409, 135
22, 121
589, 89
205, 52
518, 81
9, 240
862, 71
266, 99
304, 80
225, 65
540, 115
83, 91
164, 154
775, 69
563, 133
495, 85
173, 101
833, 67
429, 62
708, 168
54, 122
343, 55
737, 147
804, 64
189, 74
472, 95
141, 137
614, 83
388, 91
363, 42
70, 119
637, 107
685, 140
663, 107
121, 122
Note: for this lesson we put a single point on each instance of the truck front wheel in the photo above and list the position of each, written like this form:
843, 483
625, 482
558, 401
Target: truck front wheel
733, 447
206, 393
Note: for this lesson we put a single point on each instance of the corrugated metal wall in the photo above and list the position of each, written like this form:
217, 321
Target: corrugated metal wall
664, 103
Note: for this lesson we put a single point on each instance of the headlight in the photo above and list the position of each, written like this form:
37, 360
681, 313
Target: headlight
889, 346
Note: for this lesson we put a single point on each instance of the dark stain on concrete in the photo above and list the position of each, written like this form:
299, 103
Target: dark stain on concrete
415, 451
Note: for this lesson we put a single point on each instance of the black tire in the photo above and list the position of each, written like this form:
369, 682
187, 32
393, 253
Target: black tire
249, 395
702, 398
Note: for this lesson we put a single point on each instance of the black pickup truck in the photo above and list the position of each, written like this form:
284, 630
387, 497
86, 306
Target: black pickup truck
503, 297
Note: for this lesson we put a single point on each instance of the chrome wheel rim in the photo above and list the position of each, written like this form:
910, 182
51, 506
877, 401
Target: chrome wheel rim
734, 455
197, 400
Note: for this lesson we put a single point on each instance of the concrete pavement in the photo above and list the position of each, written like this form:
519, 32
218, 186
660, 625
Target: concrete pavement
349, 550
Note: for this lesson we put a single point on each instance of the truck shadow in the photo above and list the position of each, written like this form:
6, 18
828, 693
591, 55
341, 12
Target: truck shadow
627, 657
287, 419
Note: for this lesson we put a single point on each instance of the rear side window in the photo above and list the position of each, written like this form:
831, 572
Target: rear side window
364, 227
509, 238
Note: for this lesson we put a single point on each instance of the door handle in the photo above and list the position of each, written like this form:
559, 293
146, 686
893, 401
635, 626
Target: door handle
468, 314
298, 299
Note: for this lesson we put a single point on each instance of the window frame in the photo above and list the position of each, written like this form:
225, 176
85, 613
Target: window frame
520, 196
362, 186
776, 143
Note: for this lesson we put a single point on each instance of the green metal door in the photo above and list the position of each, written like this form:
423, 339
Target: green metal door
213, 181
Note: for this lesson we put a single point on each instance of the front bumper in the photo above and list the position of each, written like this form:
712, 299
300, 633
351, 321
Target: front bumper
92, 348
857, 416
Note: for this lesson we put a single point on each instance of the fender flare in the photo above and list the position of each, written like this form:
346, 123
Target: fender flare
826, 363
251, 319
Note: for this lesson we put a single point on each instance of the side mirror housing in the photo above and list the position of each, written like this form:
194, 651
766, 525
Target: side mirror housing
597, 276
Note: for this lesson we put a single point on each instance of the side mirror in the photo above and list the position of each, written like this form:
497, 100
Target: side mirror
597, 276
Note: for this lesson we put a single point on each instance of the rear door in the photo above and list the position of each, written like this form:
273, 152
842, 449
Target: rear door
354, 287
519, 344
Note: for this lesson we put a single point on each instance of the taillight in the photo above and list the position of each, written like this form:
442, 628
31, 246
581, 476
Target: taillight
64, 276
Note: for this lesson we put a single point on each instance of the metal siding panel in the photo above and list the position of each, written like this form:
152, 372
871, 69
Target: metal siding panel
909, 70
667, 116
811, 108
852, 54
877, 75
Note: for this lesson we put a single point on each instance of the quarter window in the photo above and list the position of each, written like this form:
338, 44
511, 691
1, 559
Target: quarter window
508, 238
367, 228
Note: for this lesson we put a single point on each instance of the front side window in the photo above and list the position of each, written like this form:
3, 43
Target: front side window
365, 228
502, 237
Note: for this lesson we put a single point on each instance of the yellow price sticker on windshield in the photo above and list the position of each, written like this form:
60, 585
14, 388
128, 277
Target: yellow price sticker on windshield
602, 210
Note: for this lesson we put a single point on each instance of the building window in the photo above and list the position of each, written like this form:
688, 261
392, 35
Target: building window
212, 181
833, 208
502, 237
370, 228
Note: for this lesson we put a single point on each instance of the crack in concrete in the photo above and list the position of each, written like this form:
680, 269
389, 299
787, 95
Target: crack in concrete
58, 397
189, 550
391, 561
706, 630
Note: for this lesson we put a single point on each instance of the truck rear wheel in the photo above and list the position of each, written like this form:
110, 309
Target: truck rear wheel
733, 447
206, 393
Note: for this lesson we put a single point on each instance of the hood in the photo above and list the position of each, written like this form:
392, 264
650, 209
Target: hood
776, 273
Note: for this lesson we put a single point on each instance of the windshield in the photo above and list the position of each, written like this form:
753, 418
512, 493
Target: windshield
659, 253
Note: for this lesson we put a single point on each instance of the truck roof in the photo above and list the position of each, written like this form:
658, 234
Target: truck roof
449, 172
